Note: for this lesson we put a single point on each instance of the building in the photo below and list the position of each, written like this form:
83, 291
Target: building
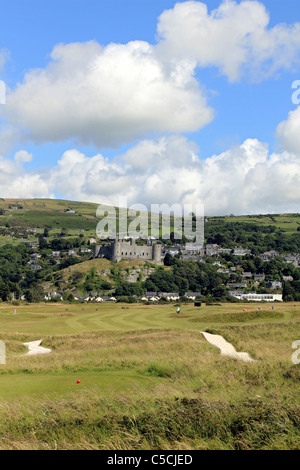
85, 250
239, 251
212, 249
55, 253
274, 285
169, 295
240, 285
122, 249
72, 253
246, 274
192, 295
268, 255
257, 297
225, 251
151, 296
287, 278
194, 249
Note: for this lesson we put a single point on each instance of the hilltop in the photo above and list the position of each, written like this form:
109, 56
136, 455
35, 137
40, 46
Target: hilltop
20, 218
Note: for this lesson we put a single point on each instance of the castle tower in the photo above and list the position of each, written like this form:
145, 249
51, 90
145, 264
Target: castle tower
115, 249
156, 253
96, 250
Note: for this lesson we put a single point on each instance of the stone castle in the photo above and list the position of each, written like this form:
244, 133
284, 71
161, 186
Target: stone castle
123, 249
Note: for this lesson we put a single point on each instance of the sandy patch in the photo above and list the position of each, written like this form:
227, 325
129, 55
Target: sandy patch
35, 348
226, 348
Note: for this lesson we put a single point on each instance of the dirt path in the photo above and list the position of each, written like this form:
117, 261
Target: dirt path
226, 348
35, 348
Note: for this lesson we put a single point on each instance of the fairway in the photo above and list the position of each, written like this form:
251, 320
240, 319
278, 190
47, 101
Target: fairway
145, 374
47, 319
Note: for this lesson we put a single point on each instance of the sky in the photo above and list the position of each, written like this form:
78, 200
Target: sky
158, 101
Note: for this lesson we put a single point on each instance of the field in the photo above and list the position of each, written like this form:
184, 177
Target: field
148, 378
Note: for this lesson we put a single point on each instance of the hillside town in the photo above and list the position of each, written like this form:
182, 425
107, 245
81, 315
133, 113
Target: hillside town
239, 274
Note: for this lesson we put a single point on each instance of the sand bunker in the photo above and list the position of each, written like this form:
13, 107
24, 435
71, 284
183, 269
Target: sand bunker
35, 348
226, 348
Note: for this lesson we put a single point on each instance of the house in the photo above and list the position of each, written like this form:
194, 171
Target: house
194, 249
169, 295
72, 252
259, 277
247, 274
53, 295
236, 293
225, 251
223, 271
287, 278
35, 256
268, 255
212, 249
152, 296
172, 252
240, 285
35, 267
239, 251
33, 261
192, 295
293, 259
274, 284
85, 250
54, 254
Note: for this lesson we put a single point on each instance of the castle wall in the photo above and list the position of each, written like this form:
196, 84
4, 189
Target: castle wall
119, 250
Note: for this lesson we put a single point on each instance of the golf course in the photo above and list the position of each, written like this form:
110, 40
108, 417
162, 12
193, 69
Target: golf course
133, 376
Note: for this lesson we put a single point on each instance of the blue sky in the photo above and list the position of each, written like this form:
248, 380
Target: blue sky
228, 100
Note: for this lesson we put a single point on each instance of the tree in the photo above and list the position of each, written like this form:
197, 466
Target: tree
43, 244
4, 291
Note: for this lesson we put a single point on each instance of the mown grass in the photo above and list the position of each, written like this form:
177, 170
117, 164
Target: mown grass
159, 387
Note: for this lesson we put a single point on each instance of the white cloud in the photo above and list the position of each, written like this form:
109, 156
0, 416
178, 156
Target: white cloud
120, 93
244, 179
107, 96
234, 37
15, 181
288, 132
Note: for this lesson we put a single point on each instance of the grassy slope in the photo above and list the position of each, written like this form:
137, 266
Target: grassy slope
40, 212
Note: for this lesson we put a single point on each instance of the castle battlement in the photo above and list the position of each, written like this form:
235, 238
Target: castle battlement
128, 249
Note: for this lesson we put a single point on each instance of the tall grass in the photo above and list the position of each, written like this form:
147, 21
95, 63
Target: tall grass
154, 389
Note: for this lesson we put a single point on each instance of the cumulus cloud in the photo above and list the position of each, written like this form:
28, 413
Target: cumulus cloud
288, 132
244, 179
234, 37
107, 96
15, 181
